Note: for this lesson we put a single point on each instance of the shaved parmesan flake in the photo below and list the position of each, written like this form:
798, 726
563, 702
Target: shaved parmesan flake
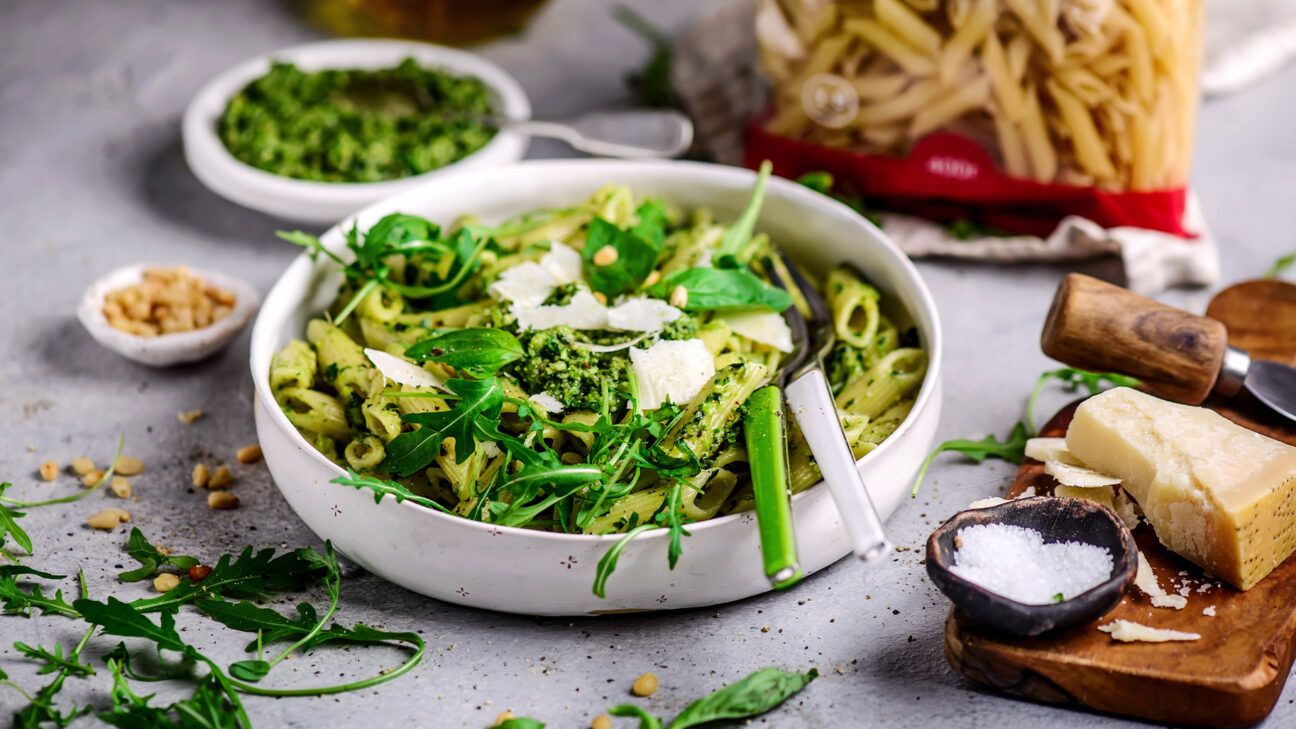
987, 502
1078, 476
401, 371
760, 325
1145, 580
605, 348
1050, 449
546, 402
1128, 631
490, 449
562, 262
641, 314
583, 312
671, 371
526, 284
1209, 611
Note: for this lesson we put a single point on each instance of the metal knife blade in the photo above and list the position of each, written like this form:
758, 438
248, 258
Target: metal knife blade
1273, 384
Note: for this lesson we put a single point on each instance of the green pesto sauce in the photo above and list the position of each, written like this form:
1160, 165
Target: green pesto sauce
356, 125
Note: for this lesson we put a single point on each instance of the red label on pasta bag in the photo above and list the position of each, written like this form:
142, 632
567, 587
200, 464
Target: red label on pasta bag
947, 176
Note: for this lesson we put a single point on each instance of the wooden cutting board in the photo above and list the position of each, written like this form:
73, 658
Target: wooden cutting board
1235, 673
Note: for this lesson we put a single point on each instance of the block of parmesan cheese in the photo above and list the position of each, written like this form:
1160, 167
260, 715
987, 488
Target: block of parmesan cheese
1217, 494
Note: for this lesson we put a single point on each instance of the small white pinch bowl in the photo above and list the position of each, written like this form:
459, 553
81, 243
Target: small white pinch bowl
327, 202
542, 573
165, 350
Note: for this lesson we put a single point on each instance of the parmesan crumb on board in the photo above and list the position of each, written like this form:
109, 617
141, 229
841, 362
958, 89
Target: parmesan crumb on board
1145, 579
1128, 631
1209, 611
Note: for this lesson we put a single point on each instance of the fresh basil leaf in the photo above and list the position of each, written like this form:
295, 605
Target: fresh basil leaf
478, 349
751, 696
472, 418
636, 257
722, 288
651, 225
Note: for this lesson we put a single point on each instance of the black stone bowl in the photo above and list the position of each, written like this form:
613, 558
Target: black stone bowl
1059, 520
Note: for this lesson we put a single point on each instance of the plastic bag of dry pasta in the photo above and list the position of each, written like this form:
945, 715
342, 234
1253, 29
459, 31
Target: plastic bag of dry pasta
1012, 113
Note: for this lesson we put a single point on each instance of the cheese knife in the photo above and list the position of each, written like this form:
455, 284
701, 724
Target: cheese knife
1183, 357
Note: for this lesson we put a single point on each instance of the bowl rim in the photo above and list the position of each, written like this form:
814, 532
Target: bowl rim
90, 309
208, 155
799, 194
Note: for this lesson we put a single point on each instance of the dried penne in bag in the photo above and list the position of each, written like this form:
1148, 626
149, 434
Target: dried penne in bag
1014, 113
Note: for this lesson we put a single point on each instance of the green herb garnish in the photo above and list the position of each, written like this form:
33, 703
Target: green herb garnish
1282, 264
722, 288
151, 560
637, 251
1012, 449
356, 125
1059, 597
478, 349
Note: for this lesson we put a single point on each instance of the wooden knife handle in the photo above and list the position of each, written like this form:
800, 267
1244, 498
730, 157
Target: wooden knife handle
1096, 326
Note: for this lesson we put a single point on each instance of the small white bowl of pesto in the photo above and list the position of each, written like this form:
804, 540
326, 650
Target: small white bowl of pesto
316, 132
521, 388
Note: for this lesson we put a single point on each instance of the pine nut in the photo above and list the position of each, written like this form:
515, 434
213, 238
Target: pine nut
82, 465
129, 466
200, 475
606, 256
679, 297
220, 478
653, 278
49, 470
602, 721
222, 500
166, 582
248, 454
108, 519
645, 685
189, 417
92, 478
600, 297
121, 487
503, 717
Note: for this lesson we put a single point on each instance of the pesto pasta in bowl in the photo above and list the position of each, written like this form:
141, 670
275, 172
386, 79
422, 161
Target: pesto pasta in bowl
521, 388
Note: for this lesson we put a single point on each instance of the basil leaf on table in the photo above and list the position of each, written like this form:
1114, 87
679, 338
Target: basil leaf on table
637, 252
722, 288
479, 349
748, 697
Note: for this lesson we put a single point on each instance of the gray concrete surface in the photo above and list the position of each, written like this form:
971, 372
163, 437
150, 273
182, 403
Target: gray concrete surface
91, 177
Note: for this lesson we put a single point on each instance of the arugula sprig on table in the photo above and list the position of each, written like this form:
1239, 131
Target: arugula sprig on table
1281, 265
1013, 448
450, 259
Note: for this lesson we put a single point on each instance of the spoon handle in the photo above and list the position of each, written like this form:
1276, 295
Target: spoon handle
631, 134
1094, 325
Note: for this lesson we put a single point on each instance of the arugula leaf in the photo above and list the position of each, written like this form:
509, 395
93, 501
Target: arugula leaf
652, 82
722, 288
151, 560
1282, 264
9, 526
646, 720
253, 574
118, 618
1073, 379
479, 400
750, 696
53, 660
738, 235
478, 349
382, 487
670, 518
1059, 597
607, 564
17, 601
636, 258
79, 494
1012, 450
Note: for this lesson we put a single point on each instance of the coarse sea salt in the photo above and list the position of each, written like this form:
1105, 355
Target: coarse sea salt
1015, 562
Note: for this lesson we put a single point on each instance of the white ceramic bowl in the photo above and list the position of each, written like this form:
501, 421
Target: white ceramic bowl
523, 571
167, 349
327, 202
